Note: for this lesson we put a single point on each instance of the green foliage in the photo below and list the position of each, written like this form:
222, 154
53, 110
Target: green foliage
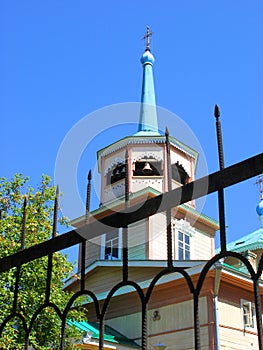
32, 282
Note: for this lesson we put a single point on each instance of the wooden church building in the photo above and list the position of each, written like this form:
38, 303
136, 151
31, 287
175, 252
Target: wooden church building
227, 317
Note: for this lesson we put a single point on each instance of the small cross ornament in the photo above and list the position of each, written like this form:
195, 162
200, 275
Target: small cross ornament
147, 37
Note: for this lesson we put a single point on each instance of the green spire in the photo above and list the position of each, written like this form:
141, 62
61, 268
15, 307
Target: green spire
148, 123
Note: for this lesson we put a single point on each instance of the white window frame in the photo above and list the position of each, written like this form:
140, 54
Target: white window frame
248, 312
185, 228
103, 246
183, 246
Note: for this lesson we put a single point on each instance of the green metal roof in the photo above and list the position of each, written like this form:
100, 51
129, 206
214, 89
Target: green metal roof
87, 327
252, 241
110, 334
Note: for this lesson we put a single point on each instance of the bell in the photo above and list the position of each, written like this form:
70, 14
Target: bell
147, 169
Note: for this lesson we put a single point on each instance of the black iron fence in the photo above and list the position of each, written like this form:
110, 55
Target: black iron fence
217, 182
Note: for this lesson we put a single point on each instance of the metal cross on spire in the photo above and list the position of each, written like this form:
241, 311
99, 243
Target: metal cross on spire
260, 185
147, 37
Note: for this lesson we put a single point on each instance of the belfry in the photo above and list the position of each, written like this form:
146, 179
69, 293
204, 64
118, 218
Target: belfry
148, 176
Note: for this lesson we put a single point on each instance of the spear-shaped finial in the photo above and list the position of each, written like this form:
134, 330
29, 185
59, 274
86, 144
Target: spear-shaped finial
217, 112
221, 202
88, 197
167, 141
89, 176
219, 138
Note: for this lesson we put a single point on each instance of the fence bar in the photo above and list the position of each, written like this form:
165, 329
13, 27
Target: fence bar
125, 271
258, 313
221, 202
83, 244
168, 212
101, 334
196, 321
50, 256
18, 269
144, 327
229, 176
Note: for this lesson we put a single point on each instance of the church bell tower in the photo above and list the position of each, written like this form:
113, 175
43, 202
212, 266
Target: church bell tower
146, 150
145, 156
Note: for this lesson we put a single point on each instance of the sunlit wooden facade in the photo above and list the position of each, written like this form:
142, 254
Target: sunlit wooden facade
226, 302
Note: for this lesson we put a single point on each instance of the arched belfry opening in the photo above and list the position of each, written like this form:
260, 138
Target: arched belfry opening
179, 174
116, 174
148, 167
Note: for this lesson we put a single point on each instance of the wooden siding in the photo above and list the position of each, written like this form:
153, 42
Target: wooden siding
103, 278
231, 339
147, 240
137, 240
163, 295
202, 246
174, 327
177, 316
157, 237
232, 333
230, 314
183, 340
173, 301
93, 250
130, 325
138, 252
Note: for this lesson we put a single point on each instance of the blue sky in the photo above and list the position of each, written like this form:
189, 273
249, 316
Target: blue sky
62, 60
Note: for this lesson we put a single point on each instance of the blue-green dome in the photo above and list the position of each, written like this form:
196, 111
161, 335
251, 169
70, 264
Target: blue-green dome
147, 57
259, 208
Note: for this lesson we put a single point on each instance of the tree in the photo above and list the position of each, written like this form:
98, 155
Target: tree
32, 281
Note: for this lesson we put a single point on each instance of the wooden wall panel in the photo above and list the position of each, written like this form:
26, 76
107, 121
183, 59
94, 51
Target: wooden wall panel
202, 246
93, 250
158, 239
231, 339
137, 240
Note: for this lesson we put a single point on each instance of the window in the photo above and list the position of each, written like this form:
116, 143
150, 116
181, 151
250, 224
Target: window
116, 174
183, 246
179, 174
183, 239
148, 167
111, 245
249, 314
